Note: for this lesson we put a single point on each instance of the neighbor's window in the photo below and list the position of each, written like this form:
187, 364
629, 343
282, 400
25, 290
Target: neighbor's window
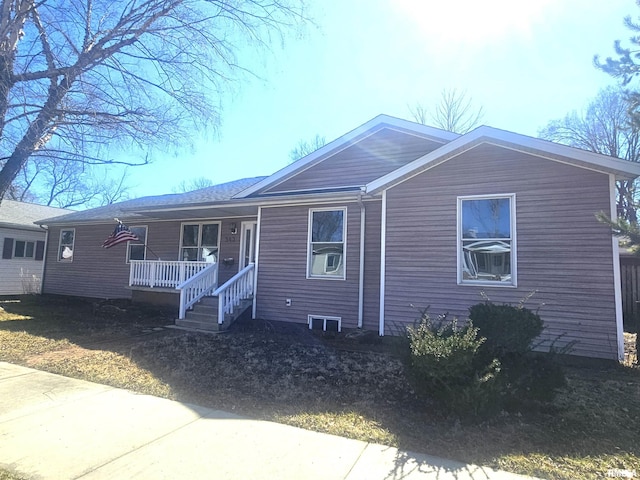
200, 242
65, 248
137, 250
24, 249
486, 240
327, 233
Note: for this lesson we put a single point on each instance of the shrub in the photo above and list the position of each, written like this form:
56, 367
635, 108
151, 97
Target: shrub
444, 364
509, 330
485, 366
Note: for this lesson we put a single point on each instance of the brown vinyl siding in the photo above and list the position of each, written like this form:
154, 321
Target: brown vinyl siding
371, 311
95, 271
104, 273
282, 269
358, 164
563, 252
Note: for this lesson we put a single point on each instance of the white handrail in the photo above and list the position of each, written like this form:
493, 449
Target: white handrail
196, 287
233, 291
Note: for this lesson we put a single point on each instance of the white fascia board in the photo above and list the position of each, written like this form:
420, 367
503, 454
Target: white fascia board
431, 157
486, 134
343, 142
259, 202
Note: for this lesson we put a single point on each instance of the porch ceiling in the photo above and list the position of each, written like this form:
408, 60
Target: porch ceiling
201, 212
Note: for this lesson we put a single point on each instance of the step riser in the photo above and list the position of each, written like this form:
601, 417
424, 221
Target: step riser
204, 316
195, 325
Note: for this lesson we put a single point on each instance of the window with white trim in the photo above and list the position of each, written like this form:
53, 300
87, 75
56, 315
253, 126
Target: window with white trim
66, 245
486, 240
137, 250
327, 234
200, 241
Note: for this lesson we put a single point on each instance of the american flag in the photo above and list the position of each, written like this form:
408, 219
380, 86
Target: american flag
119, 235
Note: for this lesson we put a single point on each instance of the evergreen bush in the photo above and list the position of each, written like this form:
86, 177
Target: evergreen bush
485, 366
444, 364
509, 330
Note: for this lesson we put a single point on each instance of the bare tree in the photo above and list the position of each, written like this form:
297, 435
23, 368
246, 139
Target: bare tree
109, 189
67, 184
193, 184
455, 112
605, 127
80, 77
304, 148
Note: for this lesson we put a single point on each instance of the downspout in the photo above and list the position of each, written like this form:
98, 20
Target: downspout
617, 281
361, 273
254, 307
44, 255
383, 252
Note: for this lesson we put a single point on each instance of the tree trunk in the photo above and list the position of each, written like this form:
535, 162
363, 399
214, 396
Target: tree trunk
34, 134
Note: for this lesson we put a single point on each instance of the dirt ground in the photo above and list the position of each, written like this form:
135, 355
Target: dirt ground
630, 351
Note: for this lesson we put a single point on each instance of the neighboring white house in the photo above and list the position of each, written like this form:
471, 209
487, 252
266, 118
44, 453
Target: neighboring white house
23, 246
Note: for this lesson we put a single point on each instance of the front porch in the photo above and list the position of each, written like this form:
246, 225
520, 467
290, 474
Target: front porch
203, 304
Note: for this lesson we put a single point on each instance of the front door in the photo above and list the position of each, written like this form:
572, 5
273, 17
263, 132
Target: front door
247, 244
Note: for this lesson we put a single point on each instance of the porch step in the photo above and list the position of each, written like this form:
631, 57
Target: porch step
207, 326
204, 315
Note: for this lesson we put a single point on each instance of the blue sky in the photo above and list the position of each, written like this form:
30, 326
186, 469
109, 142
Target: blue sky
525, 63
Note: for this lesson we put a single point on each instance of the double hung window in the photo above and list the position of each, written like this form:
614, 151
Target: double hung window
66, 245
486, 240
327, 234
137, 250
200, 242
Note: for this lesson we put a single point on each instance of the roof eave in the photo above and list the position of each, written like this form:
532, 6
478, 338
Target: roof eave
20, 226
303, 198
342, 142
622, 169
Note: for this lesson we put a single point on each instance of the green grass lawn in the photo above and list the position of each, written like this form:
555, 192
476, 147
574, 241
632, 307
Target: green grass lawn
335, 385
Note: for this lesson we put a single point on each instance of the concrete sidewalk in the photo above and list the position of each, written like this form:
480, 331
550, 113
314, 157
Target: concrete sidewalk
54, 427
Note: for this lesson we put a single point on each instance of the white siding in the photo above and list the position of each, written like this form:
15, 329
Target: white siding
20, 275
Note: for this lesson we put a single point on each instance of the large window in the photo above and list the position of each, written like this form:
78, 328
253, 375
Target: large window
486, 240
65, 247
137, 250
327, 233
200, 242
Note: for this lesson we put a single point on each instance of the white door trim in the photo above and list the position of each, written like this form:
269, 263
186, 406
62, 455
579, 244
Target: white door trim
244, 227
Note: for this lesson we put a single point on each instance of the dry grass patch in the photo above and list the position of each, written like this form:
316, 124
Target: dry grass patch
17, 346
7, 475
100, 366
345, 424
285, 374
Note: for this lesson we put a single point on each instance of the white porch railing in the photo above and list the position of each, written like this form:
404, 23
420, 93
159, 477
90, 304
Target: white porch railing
164, 274
233, 291
196, 287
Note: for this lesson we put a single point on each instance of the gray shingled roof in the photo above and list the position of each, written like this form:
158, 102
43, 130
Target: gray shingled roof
126, 209
14, 214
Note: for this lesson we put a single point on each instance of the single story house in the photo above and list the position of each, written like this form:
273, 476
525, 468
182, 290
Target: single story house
370, 229
22, 243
